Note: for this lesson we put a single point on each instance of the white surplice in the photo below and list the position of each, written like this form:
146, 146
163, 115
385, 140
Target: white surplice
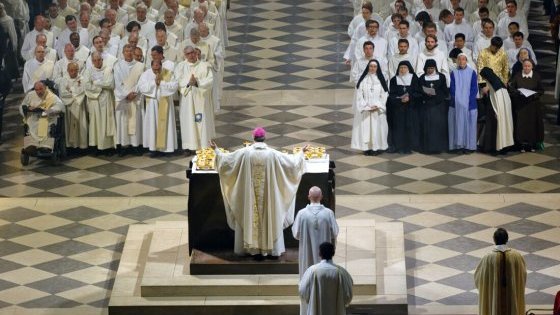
196, 113
153, 93
128, 113
325, 289
61, 67
369, 131
313, 225
34, 71
99, 86
259, 186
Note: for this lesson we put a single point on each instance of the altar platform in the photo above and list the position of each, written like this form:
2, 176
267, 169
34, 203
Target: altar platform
154, 275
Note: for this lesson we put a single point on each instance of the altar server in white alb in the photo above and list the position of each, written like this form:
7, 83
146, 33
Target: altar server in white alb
196, 114
325, 288
72, 93
313, 225
369, 133
159, 128
99, 85
259, 186
129, 109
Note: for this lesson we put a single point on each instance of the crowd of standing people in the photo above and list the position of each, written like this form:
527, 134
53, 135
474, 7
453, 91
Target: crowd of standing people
452, 75
117, 68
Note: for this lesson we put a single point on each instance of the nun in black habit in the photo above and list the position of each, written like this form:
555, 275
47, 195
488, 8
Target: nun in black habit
433, 109
402, 108
497, 133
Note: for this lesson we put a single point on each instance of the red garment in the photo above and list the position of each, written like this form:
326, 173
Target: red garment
556, 310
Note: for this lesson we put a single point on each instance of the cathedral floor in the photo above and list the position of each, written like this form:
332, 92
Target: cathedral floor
58, 253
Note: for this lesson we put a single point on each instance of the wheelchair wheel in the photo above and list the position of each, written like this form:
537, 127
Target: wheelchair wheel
24, 158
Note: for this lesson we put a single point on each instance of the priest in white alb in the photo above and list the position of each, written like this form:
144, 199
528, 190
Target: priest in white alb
313, 225
196, 114
36, 69
99, 86
72, 93
159, 129
61, 65
129, 109
259, 186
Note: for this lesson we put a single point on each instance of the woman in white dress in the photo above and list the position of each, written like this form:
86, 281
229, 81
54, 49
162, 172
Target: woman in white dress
369, 133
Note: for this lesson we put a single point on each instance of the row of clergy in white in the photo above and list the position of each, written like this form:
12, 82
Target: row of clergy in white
122, 103
385, 8
446, 64
404, 45
176, 14
116, 35
209, 45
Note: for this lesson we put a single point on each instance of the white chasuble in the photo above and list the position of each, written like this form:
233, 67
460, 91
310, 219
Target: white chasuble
259, 186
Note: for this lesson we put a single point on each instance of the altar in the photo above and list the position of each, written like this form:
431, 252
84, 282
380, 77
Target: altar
208, 229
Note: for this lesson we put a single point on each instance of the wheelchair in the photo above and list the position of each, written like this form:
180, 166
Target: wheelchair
52, 148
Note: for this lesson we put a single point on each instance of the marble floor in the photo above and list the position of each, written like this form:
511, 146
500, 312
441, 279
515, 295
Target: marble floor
62, 227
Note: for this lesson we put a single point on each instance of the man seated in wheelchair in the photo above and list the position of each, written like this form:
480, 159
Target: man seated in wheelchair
40, 110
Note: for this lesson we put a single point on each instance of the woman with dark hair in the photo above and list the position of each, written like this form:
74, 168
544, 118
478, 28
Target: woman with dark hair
369, 133
433, 111
497, 133
527, 109
402, 106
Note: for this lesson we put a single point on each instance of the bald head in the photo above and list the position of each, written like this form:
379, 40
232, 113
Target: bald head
315, 194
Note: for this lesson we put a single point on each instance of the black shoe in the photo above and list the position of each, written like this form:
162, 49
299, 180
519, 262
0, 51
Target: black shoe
375, 153
121, 151
258, 257
137, 151
188, 152
154, 154
367, 153
391, 150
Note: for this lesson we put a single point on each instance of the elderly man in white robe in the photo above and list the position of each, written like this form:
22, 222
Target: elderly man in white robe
41, 40
29, 41
259, 186
196, 114
129, 110
39, 109
99, 86
36, 69
313, 225
61, 66
72, 93
325, 288
159, 128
